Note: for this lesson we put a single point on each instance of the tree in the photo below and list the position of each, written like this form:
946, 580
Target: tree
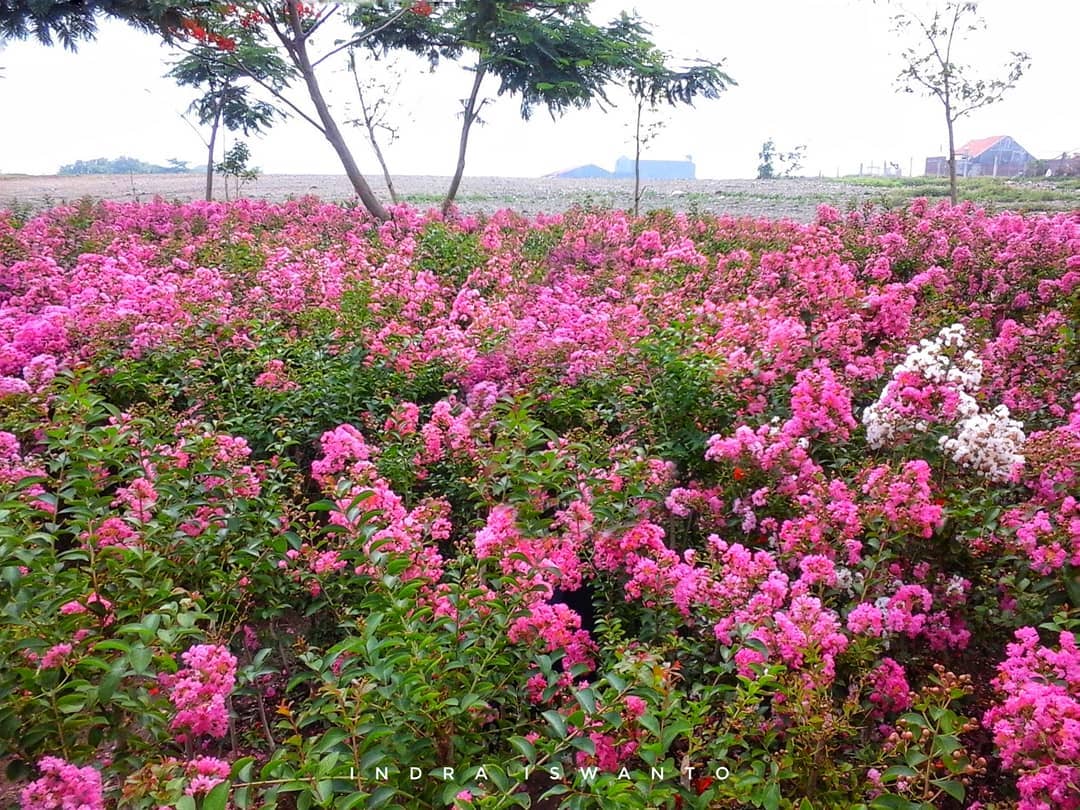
226, 98
645, 131
289, 27
931, 69
235, 165
69, 21
121, 165
548, 54
652, 82
770, 156
374, 94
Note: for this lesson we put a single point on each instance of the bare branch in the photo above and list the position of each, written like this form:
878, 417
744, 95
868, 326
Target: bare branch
269, 15
359, 38
322, 17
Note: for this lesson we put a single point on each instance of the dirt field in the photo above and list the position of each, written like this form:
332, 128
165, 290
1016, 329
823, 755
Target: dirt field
796, 199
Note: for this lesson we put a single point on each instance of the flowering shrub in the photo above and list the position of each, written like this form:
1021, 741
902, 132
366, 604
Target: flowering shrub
1037, 724
303, 509
199, 691
63, 786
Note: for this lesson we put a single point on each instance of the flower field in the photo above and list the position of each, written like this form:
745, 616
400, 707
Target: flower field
299, 509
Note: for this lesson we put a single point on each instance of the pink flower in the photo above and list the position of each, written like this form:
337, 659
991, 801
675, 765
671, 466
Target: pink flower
139, 496
1036, 725
889, 688
635, 705
199, 691
274, 377
55, 656
204, 773
63, 786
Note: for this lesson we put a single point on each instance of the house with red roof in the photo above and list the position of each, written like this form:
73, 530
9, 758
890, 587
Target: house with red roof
997, 156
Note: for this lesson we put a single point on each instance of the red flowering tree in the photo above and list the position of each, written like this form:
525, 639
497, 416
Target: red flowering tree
547, 53
69, 21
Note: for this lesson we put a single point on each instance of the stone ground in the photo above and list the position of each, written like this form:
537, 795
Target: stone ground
781, 198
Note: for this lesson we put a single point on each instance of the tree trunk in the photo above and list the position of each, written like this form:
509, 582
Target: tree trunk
952, 158
331, 131
370, 124
471, 113
378, 154
210, 151
637, 158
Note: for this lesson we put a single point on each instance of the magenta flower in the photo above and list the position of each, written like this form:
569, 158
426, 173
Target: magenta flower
63, 786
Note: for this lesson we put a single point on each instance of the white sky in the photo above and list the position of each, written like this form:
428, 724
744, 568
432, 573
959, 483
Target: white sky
813, 72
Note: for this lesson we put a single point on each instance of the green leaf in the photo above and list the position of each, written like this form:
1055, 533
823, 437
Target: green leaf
380, 797
892, 773
329, 740
109, 684
70, 704
946, 744
239, 767
557, 723
140, 658
217, 798
914, 757
587, 699
357, 799
770, 800
952, 787
890, 801
672, 731
370, 758
584, 744
527, 749
649, 722
914, 719
555, 790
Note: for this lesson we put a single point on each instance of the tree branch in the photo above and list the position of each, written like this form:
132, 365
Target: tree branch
471, 112
238, 65
320, 19
361, 37
285, 40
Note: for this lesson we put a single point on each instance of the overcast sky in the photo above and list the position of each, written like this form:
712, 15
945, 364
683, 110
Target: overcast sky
813, 72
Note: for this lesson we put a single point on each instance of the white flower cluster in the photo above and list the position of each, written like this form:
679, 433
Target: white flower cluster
850, 581
932, 361
881, 424
989, 443
956, 586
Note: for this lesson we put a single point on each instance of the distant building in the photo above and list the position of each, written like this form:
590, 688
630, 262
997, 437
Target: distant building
1064, 166
624, 169
656, 169
589, 171
998, 156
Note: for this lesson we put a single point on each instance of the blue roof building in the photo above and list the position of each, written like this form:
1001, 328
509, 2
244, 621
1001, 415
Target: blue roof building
624, 169
589, 171
656, 169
